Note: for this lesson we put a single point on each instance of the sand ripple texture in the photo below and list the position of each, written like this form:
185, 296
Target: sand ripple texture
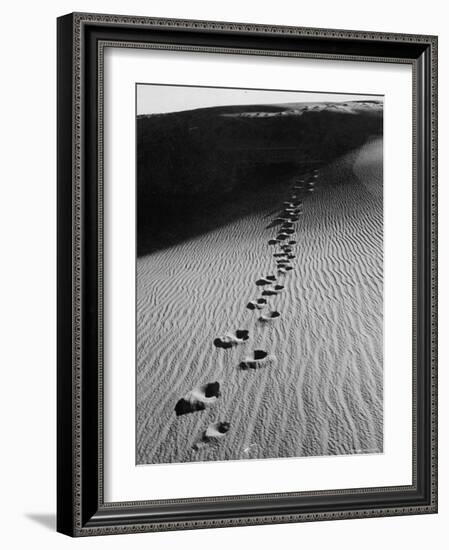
324, 394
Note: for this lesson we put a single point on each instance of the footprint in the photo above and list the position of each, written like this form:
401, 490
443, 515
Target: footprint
214, 432
259, 359
198, 399
291, 242
272, 241
258, 304
273, 291
266, 280
293, 213
229, 340
271, 316
217, 430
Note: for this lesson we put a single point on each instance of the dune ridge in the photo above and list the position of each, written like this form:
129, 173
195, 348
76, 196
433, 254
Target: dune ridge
192, 162
324, 395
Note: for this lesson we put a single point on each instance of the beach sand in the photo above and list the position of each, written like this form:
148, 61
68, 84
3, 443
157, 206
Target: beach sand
321, 391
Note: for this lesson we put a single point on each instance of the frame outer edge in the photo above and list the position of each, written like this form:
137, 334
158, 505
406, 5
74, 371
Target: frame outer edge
434, 271
65, 271
229, 26
78, 20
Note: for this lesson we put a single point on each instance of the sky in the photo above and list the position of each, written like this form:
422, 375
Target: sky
156, 98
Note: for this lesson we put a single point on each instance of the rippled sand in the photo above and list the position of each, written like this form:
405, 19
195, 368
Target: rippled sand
324, 392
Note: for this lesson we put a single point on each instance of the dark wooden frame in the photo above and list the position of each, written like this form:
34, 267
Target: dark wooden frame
81, 509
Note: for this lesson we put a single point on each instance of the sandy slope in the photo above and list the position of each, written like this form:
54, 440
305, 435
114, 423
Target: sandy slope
323, 395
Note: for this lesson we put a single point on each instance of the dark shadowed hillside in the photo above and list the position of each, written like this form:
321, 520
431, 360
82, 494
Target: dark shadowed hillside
192, 165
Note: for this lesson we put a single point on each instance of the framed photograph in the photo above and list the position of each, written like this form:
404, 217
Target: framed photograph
247, 310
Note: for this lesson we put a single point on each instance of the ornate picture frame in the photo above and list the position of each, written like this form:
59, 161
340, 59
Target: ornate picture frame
82, 509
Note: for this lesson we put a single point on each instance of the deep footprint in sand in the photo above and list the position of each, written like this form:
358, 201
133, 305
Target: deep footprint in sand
271, 316
198, 399
213, 433
282, 236
258, 359
288, 229
231, 340
293, 216
268, 280
217, 430
258, 304
273, 291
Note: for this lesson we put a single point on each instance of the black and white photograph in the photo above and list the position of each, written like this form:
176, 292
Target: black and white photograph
259, 274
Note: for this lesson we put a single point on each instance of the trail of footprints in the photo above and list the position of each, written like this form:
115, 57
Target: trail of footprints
201, 397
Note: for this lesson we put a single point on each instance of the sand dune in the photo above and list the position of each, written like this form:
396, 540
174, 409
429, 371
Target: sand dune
321, 391
192, 163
